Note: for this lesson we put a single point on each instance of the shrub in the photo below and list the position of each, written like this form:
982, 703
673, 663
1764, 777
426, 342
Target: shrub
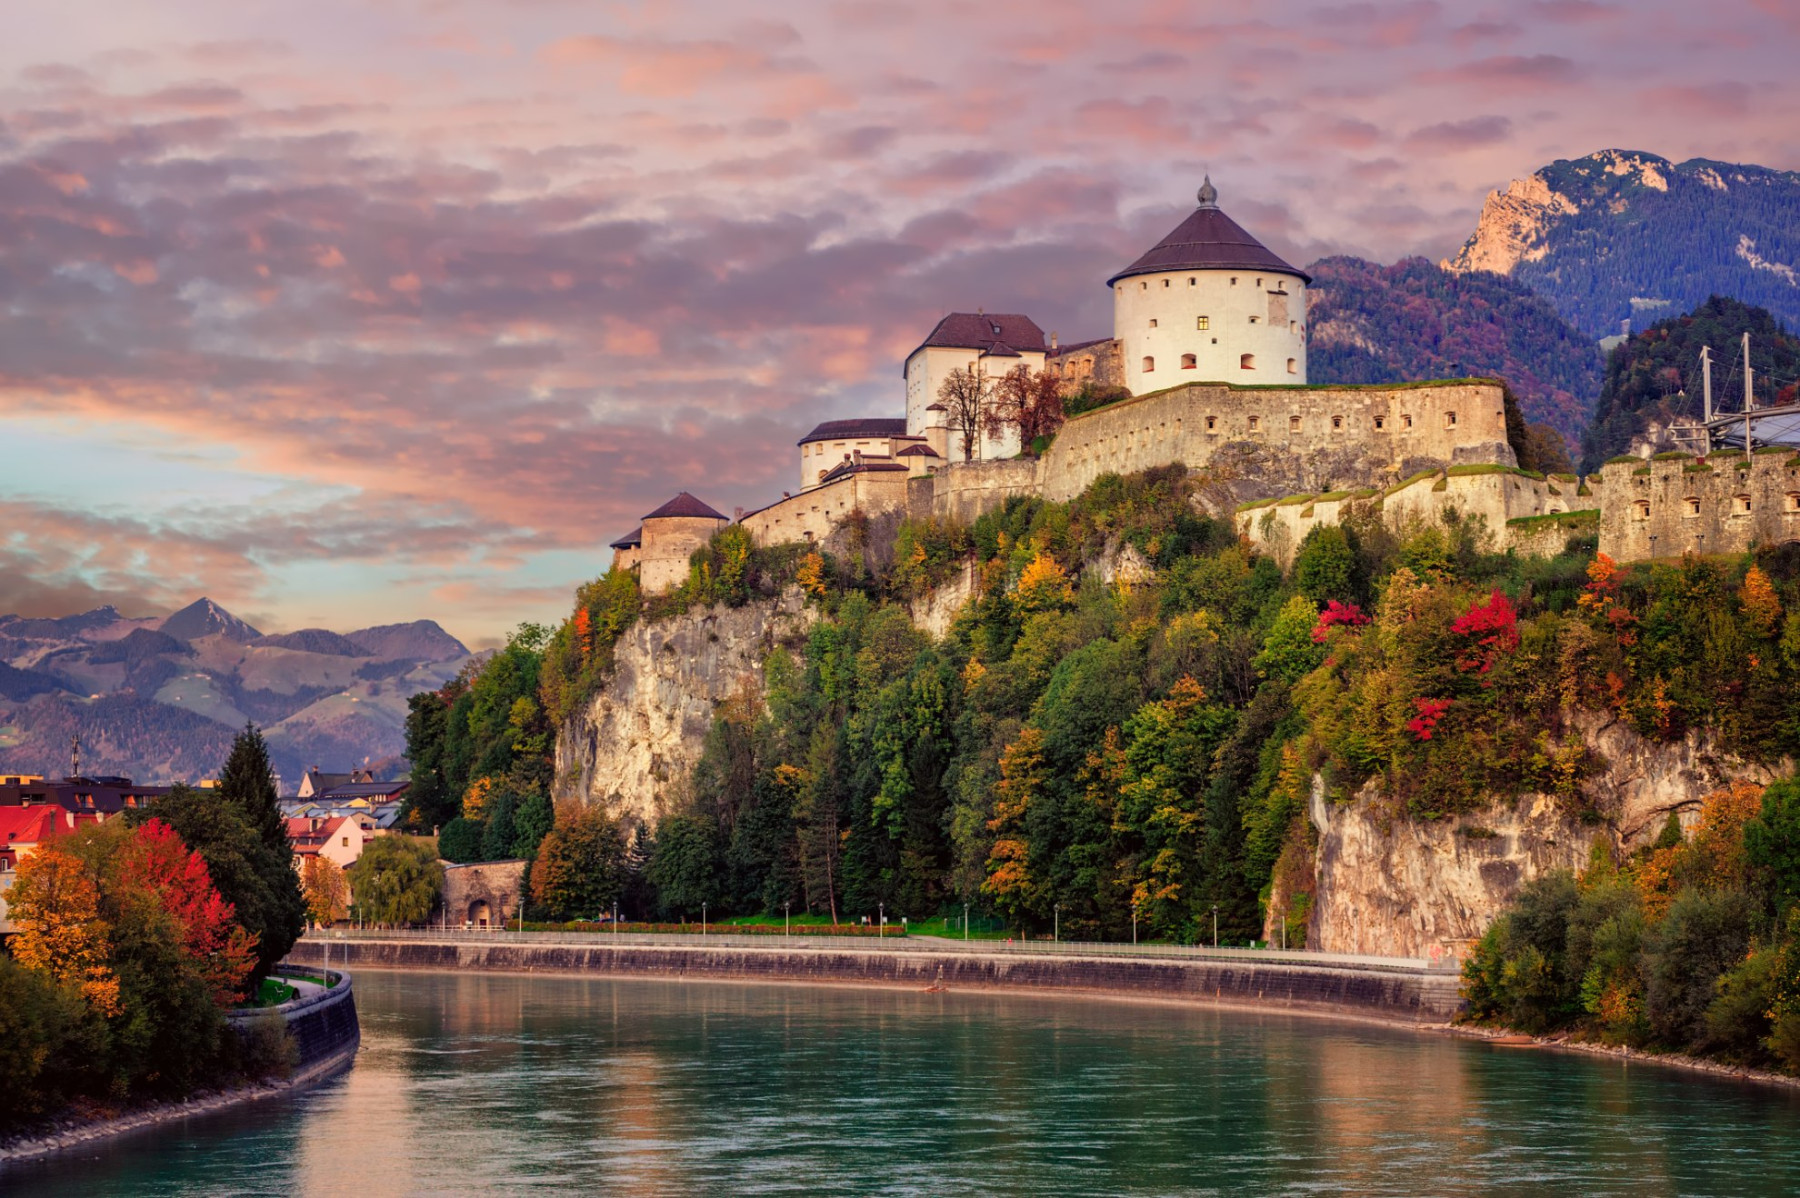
1703, 936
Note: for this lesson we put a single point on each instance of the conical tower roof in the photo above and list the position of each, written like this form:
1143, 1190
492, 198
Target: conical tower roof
1207, 240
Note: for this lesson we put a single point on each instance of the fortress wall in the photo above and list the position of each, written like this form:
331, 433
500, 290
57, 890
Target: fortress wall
1679, 504
668, 544
1339, 437
965, 490
1498, 497
811, 515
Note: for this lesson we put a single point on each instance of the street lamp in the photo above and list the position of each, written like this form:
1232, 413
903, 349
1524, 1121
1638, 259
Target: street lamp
786, 916
1215, 911
703, 919
881, 925
965, 921
1134, 924
615, 917
1056, 927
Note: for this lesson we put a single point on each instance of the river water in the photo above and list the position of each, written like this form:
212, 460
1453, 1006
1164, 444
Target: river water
494, 1084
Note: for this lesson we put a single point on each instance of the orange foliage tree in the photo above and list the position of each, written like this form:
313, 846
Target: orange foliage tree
58, 928
327, 893
1023, 774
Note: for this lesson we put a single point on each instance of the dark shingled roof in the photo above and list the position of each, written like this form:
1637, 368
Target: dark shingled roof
869, 426
631, 540
684, 505
919, 451
845, 469
1207, 240
1003, 334
1080, 345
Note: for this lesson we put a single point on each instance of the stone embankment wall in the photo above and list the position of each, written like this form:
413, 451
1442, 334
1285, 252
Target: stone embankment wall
644, 730
1677, 503
323, 1027
1405, 992
1388, 884
1512, 504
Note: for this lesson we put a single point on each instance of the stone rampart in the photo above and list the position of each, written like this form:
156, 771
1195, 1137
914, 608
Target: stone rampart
1512, 503
811, 515
1676, 503
1285, 439
965, 490
1399, 991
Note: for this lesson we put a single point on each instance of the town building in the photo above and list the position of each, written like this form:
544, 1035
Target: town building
107, 795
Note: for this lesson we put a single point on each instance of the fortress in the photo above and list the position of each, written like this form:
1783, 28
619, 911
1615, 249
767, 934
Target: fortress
1208, 354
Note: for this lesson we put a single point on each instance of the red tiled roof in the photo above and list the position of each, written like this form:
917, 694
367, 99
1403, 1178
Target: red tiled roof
684, 505
1207, 240
29, 825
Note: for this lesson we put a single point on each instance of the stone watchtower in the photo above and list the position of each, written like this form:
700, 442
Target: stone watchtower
1210, 303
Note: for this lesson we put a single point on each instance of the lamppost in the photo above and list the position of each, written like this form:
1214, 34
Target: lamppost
786, 916
881, 923
1056, 927
615, 917
965, 921
1215, 911
1134, 923
703, 919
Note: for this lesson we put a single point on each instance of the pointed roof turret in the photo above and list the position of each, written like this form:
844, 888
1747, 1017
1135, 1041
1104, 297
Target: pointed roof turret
1208, 240
685, 506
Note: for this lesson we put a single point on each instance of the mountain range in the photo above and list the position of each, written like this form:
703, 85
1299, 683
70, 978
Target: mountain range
160, 698
1624, 235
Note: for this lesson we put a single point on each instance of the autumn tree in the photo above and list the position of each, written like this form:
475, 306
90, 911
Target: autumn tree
156, 865
964, 396
1011, 882
327, 894
1029, 402
579, 871
57, 926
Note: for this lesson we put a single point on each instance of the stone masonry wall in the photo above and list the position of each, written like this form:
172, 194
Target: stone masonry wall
1497, 497
811, 515
1677, 504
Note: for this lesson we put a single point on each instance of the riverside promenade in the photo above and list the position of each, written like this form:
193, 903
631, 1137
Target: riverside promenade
1403, 990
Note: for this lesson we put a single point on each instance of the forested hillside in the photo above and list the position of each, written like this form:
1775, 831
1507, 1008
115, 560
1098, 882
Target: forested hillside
1083, 751
1626, 235
1414, 320
1655, 376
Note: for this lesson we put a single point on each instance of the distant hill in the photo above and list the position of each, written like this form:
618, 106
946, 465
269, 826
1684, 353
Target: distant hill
1414, 320
1654, 377
1622, 234
160, 699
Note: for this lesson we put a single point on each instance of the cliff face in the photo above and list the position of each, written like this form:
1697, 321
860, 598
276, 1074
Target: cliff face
644, 731
1513, 228
1394, 886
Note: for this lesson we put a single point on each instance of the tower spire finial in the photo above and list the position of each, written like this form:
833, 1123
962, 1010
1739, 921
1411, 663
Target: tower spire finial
1209, 195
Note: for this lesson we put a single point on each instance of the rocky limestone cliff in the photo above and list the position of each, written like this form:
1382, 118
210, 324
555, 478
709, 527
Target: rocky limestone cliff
644, 731
1390, 885
1512, 228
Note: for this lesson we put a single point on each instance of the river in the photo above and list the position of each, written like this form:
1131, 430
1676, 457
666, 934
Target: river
496, 1084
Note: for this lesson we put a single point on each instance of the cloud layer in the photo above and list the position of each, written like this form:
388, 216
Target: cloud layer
443, 295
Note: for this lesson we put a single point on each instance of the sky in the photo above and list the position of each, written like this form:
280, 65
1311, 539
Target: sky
362, 311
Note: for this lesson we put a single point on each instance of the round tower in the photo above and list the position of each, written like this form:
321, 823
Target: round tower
1210, 303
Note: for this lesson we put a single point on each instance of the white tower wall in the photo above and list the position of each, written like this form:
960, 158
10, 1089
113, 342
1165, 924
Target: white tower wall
1246, 311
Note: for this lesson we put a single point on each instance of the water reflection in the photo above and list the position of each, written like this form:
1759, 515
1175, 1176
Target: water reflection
473, 1083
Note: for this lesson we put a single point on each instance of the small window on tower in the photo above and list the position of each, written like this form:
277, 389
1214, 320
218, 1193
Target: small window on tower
1189, 361
1255, 423
1406, 422
1642, 509
1149, 365
1293, 326
1449, 419
1144, 286
1259, 282
1293, 424
1165, 282
1741, 505
1234, 280
1337, 422
1192, 281
1253, 320
1201, 323
1211, 421
1293, 366
1380, 423
1692, 506
1153, 322
1247, 361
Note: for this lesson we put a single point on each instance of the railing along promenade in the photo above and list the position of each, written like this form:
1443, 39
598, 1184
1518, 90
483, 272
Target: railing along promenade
894, 942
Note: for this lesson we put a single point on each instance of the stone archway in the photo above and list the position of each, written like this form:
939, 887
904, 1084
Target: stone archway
480, 914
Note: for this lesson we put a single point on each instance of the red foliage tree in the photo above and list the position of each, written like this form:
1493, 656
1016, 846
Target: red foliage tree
1492, 628
1335, 613
160, 866
1430, 712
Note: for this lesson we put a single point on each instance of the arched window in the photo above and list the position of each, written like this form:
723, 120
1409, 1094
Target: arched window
1293, 366
1189, 361
1247, 361
1149, 365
